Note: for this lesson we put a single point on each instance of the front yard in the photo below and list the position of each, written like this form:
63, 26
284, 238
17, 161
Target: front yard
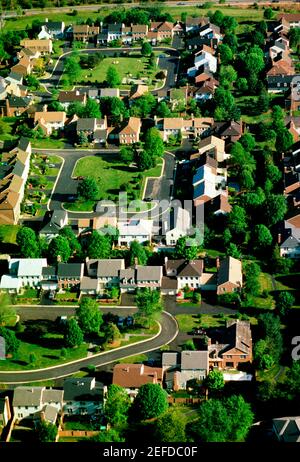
187, 322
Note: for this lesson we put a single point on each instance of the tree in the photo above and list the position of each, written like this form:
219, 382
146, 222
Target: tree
268, 13
113, 78
91, 109
55, 106
59, 249
74, 244
214, 382
252, 273
227, 75
273, 174
151, 401
184, 250
145, 161
222, 421
229, 24
146, 49
279, 264
137, 254
27, 240
261, 237
241, 84
217, 18
126, 155
226, 54
237, 220
89, 316
275, 208
232, 41
73, 336
225, 103
82, 138
232, 250
46, 432
7, 312
270, 327
108, 436
111, 332
12, 344
294, 36
247, 141
169, 428
189, 345
284, 140
149, 304
284, 302
88, 189
162, 109
117, 405
72, 70
99, 246
143, 106
32, 358
263, 101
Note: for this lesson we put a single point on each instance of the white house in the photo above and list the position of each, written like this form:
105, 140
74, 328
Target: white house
290, 244
187, 273
44, 34
203, 58
27, 270
54, 221
181, 226
114, 32
31, 401
135, 230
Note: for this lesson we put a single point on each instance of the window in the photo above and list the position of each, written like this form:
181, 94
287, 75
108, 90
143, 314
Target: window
229, 356
243, 356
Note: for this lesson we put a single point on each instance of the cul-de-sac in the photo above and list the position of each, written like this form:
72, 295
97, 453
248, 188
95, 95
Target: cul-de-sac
149, 221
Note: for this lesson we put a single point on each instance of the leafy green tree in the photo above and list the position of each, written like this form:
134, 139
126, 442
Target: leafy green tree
72, 70
151, 401
279, 264
284, 140
226, 54
111, 332
263, 101
27, 240
227, 75
145, 161
241, 84
217, 18
163, 110
232, 250
184, 250
294, 37
222, 421
284, 302
252, 273
268, 13
88, 189
91, 109
74, 244
275, 208
99, 246
113, 78
46, 432
170, 428
225, 103
59, 249
189, 345
247, 141
117, 405
270, 327
232, 41
82, 139
146, 49
137, 253
89, 316
237, 220
12, 344
126, 155
73, 336
229, 24
55, 106
143, 106
261, 237
293, 377
149, 304
214, 382
75, 108
7, 312
108, 436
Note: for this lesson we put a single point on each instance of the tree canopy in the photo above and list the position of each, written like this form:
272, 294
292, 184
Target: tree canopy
59, 249
117, 405
151, 401
88, 189
99, 245
89, 316
73, 335
28, 242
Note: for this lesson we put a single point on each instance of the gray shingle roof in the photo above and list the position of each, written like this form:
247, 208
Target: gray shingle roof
148, 273
27, 396
194, 360
69, 270
82, 389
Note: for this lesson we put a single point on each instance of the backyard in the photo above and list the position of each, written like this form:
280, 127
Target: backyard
112, 176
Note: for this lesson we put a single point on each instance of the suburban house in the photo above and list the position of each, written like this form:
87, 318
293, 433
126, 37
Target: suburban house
53, 222
82, 396
187, 273
133, 376
233, 347
287, 429
213, 145
229, 131
69, 275
30, 402
134, 230
5, 413
68, 97
43, 46
130, 133
140, 277
181, 368
94, 129
114, 31
193, 25
85, 32
176, 126
55, 29
137, 91
49, 278
14, 106
203, 59
207, 184
289, 239
179, 226
159, 31
292, 99
291, 19
49, 121
230, 276
106, 272
27, 270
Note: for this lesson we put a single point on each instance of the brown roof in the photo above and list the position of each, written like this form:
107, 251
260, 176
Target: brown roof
281, 67
55, 116
66, 96
173, 123
294, 221
80, 29
186, 268
139, 28
133, 126
290, 17
8, 200
240, 333
136, 375
168, 283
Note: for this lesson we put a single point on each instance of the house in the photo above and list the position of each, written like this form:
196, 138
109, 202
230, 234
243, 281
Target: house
15, 78
82, 396
138, 31
84, 32
109, 93
229, 131
89, 286
194, 24
68, 97
49, 121
203, 59
280, 76
170, 364
135, 230
24, 66
94, 129
230, 276
292, 100
180, 226
159, 31
234, 346
49, 278
130, 133
133, 376
290, 238
105, 271
207, 184
5, 413
140, 277
187, 273
29, 402
287, 429
14, 106
43, 46
114, 32
27, 270
292, 19
177, 126
69, 275
10, 206
55, 29
137, 91
194, 366
214, 145
53, 222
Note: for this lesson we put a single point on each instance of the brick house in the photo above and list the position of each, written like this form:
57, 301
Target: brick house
69, 275
230, 276
133, 376
131, 132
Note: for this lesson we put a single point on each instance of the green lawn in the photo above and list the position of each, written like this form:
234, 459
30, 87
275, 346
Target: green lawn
132, 67
187, 322
8, 233
265, 281
9, 129
80, 206
134, 359
49, 143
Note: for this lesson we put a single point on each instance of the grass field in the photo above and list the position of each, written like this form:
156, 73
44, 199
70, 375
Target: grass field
134, 359
8, 233
188, 321
49, 143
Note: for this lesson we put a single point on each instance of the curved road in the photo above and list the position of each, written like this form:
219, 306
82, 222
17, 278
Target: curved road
169, 330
